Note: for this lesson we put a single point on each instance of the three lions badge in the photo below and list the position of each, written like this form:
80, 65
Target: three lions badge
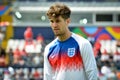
71, 52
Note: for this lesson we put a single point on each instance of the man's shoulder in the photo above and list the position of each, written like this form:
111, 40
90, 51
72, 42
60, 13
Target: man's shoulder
51, 43
80, 39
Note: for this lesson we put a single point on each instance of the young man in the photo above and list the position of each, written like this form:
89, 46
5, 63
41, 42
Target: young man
69, 56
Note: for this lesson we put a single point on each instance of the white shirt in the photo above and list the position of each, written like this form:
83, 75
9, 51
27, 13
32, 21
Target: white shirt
72, 59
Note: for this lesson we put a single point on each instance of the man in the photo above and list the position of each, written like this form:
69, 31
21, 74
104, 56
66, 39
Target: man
69, 56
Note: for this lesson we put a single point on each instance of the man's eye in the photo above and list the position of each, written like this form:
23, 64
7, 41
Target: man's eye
51, 21
57, 21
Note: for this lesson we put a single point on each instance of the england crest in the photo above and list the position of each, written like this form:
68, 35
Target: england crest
71, 52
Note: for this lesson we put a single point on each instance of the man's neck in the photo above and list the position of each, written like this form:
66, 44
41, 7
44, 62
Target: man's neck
65, 36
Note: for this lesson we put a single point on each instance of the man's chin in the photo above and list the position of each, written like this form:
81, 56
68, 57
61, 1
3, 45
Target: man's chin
57, 34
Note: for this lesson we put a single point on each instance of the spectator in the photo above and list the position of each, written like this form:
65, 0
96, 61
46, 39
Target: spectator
116, 56
40, 39
36, 75
2, 35
118, 43
10, 54
118, 75
96, 49
24, 54
3, 61
37, 60
16, 54
104, 56
28, 35
2, 51
7, 75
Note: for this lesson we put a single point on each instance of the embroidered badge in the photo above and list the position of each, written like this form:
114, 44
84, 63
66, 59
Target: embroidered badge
71, 52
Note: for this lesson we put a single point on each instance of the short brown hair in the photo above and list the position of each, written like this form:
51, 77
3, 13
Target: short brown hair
59, 9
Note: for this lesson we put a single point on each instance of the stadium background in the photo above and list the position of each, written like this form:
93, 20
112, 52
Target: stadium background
96, 26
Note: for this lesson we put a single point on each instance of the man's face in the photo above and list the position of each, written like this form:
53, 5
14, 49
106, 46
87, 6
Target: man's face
59, 25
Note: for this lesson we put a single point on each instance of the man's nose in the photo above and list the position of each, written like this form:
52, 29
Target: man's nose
54, 24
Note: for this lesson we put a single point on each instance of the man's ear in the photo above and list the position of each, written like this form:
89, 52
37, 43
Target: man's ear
68, 20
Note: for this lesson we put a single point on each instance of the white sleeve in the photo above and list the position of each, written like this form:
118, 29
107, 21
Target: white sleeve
89, 61
47, 67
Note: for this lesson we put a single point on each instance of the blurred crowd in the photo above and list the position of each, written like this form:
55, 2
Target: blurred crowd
108, 60
23, 63
21, 73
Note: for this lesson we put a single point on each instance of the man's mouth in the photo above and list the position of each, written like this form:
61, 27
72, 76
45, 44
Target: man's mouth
56, 29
